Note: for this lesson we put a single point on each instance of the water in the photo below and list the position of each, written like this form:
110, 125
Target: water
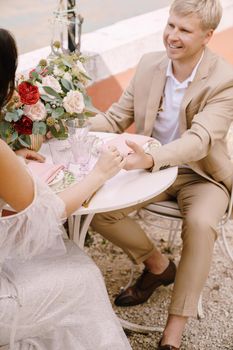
28, 20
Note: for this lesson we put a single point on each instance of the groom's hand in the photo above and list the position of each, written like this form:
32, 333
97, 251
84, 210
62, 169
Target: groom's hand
138, 159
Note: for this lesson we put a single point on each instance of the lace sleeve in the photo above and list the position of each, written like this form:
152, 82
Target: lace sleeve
36, 230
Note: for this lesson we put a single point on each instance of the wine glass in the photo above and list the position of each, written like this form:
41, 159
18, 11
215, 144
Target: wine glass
78, 127
60, 151
81, 149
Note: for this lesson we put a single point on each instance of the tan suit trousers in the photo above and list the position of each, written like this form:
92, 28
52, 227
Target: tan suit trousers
202, 204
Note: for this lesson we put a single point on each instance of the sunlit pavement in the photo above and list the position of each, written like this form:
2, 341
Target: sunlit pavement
29, 20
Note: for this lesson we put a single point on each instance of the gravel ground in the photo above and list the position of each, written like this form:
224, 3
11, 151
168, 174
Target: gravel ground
214, 331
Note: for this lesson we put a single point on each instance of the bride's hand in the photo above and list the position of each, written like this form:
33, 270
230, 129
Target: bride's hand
109, 163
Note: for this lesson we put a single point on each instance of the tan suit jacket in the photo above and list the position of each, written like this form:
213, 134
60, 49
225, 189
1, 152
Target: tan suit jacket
206, 114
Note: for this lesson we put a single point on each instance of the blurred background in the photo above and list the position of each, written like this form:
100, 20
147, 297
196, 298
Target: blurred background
30, 20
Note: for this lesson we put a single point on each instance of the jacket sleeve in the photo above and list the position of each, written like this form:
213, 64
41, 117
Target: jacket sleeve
208, 127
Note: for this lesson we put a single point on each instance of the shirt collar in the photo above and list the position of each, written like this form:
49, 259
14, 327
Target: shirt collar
185, 83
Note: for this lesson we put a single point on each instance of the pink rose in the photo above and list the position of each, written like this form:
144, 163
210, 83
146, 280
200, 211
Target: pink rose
35, 112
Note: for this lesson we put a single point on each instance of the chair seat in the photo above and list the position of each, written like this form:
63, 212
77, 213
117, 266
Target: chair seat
167, 208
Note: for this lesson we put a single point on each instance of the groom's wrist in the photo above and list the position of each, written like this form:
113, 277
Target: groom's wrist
149, 162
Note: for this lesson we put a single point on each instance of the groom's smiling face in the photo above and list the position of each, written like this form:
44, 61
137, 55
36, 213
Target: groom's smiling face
184, 38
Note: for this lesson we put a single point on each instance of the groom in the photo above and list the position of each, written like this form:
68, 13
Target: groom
184, 98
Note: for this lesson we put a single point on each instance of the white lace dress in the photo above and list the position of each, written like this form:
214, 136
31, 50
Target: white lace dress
52, 296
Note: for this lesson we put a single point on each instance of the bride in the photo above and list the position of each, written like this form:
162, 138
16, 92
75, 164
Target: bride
52, 296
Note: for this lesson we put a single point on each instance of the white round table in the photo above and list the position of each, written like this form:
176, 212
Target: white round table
125, 189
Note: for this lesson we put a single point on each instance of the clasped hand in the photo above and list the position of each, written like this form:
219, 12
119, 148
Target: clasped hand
110, 162
138, 159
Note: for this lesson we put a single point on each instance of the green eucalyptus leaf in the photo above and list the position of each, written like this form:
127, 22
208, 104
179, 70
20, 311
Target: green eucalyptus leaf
48, 108
46, 98
34, 75
20, 112
66, 84
51, 92
14, 136
62, 126
87, 100
84, 75
23, 142
5, 129
58, 112
12, 116
79, 86
39, 128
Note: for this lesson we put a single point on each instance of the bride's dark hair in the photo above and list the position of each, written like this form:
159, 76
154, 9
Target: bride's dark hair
8, 65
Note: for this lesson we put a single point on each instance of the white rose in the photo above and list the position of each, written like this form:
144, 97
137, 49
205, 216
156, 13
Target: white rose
35, 112
73, 102
67, 76
52, 82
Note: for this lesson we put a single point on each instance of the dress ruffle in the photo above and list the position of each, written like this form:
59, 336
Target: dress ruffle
35, 230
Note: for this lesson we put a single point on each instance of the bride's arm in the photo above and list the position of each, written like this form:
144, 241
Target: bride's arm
16, 185
17, 189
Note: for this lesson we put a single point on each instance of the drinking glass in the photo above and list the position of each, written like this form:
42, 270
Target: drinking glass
81, 149
60, 151
78, 127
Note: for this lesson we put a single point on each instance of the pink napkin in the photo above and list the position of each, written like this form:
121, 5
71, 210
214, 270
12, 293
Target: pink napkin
45, 171
119, 141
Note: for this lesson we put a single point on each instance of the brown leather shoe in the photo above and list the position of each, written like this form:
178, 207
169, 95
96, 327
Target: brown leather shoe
166, 347
145, 286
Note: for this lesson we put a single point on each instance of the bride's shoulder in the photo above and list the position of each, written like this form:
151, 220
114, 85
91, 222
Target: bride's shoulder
5, 150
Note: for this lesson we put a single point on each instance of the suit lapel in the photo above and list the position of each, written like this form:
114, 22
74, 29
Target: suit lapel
155, 95
195, 87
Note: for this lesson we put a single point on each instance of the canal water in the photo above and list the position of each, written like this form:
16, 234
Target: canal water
30, 20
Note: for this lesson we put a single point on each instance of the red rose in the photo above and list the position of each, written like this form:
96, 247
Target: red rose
29, 94
24, 125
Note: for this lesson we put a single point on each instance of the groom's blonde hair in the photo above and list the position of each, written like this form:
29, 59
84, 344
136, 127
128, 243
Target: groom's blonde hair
209, 11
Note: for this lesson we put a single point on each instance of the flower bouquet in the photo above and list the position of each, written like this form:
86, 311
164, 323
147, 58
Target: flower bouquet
42, 102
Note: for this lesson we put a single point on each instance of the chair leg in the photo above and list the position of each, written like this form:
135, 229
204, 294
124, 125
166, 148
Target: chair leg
226, 246
173, 230
139, 328
200, 312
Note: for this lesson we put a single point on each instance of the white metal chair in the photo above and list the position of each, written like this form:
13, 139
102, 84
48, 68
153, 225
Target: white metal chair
169, 210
